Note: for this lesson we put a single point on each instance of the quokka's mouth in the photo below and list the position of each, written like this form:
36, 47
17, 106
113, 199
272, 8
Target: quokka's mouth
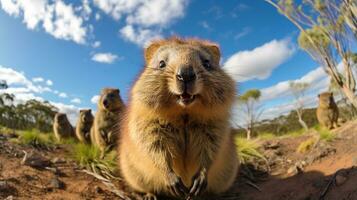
186, 98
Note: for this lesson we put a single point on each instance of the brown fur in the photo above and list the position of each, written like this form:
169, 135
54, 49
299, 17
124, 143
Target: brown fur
84, 125
327, 111
61, 127
106, 119
163, 140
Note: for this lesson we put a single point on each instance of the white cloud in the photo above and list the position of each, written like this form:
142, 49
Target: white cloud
97, 17
205, 25
15, 78
95, 99
142, 12
25, 90
49, 83
38, 79
139, 36
245, 31
259, 62
62, 95
285, 108
107, 58
85, 9
317, 79
76, 100
57, 18
144, 19
71, 111
96, 44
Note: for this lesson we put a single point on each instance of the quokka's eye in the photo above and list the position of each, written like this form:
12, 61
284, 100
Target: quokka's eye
162, 64
206, 64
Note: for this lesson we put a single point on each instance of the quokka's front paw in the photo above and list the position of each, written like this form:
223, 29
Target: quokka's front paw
199, 183
176, 186
149, 196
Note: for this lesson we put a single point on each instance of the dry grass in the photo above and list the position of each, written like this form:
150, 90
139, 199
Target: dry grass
306, 145
248, 150
88, 156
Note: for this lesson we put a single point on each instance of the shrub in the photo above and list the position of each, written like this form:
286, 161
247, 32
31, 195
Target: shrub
306, 145
326, 135
35, 138
247, 150
88, 156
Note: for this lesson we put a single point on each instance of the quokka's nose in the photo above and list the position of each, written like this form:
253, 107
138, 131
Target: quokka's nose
186, 74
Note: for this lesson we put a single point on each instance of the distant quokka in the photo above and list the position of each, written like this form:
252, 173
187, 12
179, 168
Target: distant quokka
62, 128
327, 111
84, 125
106, 120
175, 138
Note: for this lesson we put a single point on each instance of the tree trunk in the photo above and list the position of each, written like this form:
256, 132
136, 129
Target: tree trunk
249, 132
302, 123
350, 95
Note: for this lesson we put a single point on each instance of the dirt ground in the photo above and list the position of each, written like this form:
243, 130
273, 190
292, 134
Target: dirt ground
326, 172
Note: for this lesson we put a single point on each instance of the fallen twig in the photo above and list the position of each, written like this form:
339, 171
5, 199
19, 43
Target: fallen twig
331, 181
253, 185
109, 184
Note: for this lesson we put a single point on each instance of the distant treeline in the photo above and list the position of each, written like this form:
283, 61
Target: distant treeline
31, 114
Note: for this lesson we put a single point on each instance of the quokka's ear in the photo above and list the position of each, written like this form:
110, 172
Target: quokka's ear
117, 91
214, 50
151, 50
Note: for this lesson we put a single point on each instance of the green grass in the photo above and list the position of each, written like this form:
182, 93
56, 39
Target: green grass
5, 130
266, 136
326, 135
247, 150
296, 133
88, 156
70, 141
306, 145
35, 138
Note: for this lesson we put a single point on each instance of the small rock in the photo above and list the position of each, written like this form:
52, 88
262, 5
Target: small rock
57, 160
303, 163
3, 185
340, 179
35, 161
296, 169
56, 183
53, 170
272, 145
9, 198
292, 170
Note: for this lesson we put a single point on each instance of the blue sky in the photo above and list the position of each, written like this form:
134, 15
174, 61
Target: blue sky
83, 46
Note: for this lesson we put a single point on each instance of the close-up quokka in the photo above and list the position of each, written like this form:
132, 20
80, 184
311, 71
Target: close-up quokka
175, 137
